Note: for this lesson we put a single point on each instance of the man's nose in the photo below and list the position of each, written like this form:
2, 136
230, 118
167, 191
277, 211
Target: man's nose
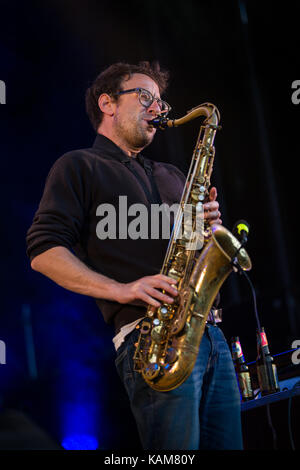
154, 108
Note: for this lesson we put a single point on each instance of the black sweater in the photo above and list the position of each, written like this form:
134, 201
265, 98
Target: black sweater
77, 184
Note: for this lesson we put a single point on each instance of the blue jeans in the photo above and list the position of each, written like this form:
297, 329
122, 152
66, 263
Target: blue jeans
202, 413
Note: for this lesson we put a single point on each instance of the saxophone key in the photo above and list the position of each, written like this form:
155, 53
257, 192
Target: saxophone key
145, 327
158, 333
164, 312
171, 356
152, 371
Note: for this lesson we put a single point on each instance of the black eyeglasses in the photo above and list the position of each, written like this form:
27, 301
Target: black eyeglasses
146, 99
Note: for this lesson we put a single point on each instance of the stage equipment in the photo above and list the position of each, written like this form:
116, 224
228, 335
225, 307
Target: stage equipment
266, 368
241, 369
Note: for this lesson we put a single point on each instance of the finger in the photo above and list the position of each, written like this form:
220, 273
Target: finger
170, 288
211, 206
168, 279
149, 300
218, 221
213, 194
212, 215
156, 294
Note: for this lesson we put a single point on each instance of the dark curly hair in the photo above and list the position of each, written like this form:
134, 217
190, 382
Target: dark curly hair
109, 81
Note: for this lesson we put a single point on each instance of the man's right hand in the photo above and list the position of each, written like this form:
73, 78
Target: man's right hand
148, 289
64, 268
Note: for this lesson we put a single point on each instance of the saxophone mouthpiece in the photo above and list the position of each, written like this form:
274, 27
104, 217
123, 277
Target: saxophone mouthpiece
159, 122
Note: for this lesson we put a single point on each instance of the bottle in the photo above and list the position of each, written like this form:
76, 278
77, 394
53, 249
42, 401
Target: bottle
241, 369
266, 369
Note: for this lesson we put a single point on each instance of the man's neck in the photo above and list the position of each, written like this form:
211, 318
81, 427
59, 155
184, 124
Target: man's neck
130, 152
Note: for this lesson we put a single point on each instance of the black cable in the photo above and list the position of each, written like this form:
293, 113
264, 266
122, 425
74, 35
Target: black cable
297, 384
236, 265
241, 271
238, 268
272, 427
289, 423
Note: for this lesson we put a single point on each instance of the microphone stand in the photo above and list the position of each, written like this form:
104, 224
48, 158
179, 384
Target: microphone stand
29, 343
237, 268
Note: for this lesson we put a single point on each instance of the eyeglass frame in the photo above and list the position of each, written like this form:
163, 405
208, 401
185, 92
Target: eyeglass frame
139, 90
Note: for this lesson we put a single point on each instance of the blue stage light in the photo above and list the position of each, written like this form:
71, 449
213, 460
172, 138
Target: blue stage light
79, 424
80, 442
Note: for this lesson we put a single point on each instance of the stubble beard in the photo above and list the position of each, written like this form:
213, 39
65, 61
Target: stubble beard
133, 131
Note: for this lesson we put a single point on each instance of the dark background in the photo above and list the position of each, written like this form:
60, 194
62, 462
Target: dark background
241, 56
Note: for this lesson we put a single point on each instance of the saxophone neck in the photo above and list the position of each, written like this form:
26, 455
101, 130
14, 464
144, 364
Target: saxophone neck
207, 110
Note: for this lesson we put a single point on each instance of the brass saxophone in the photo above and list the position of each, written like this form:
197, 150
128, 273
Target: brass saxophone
170, 335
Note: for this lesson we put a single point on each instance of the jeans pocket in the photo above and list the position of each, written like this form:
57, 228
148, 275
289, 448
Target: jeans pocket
120, 356
130, 353
124, 359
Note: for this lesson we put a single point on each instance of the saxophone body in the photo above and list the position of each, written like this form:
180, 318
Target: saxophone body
170, 335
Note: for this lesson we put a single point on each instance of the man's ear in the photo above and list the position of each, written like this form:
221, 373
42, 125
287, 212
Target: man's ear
106, 104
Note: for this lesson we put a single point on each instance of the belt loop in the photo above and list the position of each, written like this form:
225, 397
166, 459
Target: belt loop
215, 316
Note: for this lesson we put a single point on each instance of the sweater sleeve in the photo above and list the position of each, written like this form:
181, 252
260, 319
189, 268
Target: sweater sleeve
61, 212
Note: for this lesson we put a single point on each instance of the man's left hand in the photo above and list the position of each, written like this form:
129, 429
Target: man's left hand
211, 208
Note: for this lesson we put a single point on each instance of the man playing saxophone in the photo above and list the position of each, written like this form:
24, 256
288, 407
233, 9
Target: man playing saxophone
123, 274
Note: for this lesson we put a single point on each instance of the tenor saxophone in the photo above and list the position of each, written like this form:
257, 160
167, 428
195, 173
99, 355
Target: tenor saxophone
170, 335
